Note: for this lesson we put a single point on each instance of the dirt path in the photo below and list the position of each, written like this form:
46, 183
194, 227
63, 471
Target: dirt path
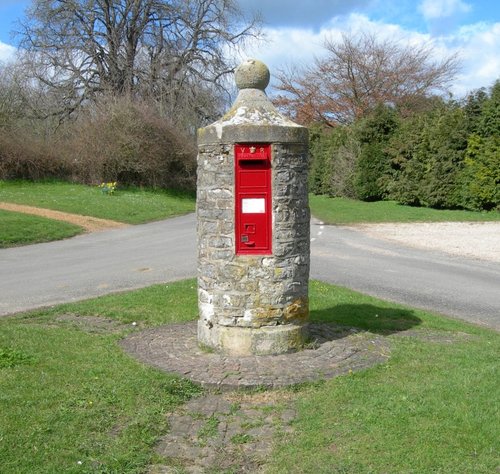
90, 224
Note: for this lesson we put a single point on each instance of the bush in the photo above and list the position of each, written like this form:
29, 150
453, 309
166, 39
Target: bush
481, 175
427, 156
26, 156
128, 142
406, 151
118, 140
373, 166
334, 154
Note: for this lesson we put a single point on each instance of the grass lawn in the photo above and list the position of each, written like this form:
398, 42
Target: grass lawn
350, 211
72, 401
133, 206
21, 229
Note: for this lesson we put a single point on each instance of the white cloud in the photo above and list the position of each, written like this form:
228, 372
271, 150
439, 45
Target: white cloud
295, 46
284, 46
434, 9
7, 52
477, 46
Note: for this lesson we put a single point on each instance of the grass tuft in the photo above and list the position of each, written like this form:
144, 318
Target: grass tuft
12, 357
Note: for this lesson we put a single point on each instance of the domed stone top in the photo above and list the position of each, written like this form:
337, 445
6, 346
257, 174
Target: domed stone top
252, 74
252, 118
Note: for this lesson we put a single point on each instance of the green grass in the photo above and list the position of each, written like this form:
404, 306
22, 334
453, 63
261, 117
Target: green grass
22, 229
133, 205
349, 211
433, 407
69, 395
72, 401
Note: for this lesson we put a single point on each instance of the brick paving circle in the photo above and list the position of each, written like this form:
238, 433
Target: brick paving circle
333, 351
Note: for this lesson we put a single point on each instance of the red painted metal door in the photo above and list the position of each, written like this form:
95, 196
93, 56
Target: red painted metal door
253, 199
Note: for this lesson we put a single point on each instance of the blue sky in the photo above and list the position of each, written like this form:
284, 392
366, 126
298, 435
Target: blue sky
469, 28
295, 30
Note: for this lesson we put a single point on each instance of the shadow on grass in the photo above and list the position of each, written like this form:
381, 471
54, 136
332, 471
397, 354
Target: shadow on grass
368, 317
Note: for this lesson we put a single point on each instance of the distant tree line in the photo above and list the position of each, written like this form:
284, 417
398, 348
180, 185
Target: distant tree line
447, 156
381, 129
114, 90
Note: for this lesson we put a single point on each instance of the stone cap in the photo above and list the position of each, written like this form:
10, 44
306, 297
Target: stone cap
253, 118
252, 74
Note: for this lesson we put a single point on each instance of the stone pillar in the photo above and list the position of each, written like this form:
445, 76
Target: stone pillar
253, 303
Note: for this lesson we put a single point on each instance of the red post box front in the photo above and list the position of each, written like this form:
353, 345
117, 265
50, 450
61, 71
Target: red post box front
253, 199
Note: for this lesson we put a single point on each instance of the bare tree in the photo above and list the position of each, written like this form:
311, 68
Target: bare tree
169, 50
360, 72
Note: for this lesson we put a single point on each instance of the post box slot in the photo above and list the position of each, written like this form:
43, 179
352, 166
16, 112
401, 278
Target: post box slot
252, 163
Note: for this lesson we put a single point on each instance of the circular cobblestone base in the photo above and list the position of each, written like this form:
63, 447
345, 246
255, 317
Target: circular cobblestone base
332, 351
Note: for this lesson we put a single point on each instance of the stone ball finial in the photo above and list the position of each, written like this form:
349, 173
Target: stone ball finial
252, 74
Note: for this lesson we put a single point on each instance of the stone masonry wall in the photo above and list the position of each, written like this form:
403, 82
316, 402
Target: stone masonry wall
250, 290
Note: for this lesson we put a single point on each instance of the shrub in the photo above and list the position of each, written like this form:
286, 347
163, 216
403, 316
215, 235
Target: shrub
407, 152
373, 166
26, 156
447, 144
334, 154
481, 174
121, 140
427, 156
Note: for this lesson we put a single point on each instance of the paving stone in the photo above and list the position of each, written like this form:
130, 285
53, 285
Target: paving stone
248, 424
174, 348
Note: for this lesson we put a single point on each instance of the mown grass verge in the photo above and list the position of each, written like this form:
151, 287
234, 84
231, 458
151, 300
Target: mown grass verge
71, 401
74, 402
22, 229
132, 205
433, 407
349, 211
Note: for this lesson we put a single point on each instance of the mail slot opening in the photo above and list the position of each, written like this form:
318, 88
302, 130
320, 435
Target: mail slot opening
253, 164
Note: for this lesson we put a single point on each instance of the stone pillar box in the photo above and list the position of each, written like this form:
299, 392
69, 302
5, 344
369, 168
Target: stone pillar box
253, 225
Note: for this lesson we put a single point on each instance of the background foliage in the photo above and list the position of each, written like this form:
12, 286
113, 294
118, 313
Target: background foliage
119, 98
115, 90
446, 157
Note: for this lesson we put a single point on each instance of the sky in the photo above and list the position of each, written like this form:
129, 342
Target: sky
470, 28
296, 29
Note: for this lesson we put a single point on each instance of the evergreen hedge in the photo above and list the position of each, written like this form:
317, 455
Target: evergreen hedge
447, 157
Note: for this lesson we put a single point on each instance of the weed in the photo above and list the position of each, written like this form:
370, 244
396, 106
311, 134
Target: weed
209, 429
241, 438
12, 357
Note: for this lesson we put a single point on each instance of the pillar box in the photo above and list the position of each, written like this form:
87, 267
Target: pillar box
253, 225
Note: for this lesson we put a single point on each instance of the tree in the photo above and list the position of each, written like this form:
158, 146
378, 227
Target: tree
373, 166
360, 72
170, 50
334, 153
427, 156
481, 174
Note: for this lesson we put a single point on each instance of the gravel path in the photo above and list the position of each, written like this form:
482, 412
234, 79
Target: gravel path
90, 224
480, 240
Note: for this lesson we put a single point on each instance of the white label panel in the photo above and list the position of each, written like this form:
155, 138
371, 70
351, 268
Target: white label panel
253, 206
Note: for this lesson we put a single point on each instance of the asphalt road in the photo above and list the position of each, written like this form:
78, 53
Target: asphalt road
137, 256
464, 288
